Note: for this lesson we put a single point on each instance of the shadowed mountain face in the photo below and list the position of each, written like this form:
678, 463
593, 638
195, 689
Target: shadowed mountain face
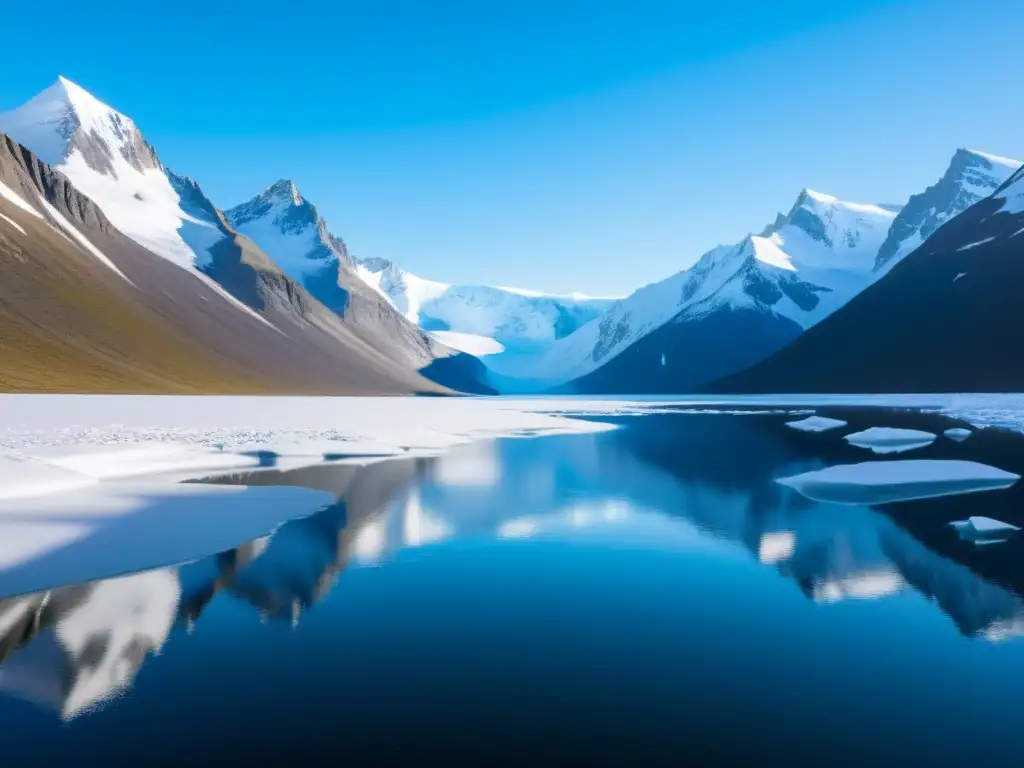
83, 308
947, 318
682, 356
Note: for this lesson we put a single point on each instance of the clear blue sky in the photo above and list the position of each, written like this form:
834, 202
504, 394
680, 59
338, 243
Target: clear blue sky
559, 145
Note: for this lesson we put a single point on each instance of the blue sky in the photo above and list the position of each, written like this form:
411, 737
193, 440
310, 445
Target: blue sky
559, 145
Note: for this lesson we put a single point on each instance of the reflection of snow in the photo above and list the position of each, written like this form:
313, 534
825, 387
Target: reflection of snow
518, 529
862, 586
419, 527
98, 643
473, 465
776, 547
371, 540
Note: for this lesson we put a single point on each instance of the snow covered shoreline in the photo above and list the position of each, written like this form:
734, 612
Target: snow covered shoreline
77, 440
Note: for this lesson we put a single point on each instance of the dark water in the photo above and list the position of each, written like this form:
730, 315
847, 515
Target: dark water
648, 595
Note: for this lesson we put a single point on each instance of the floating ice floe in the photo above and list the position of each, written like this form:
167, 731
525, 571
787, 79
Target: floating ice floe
984, 530
958, 433
880, 482
816, 424
890, 439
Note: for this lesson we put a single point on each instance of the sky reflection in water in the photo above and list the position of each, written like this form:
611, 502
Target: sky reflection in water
647, 592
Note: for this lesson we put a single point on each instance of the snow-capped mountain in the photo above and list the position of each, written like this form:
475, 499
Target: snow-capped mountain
736, 305
478, 319
739, 304
105, 158
490, 319
971, 176
947, 318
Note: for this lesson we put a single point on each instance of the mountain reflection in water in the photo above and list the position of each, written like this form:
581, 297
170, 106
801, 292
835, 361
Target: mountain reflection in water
672, 484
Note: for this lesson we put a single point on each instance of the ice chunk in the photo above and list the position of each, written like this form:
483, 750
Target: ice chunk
816, 424
983, 529
890, 440
958, 433
880, 482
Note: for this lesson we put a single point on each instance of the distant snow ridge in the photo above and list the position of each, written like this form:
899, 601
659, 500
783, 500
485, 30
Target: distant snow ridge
803, 267
474, 317
970, 177
517, 319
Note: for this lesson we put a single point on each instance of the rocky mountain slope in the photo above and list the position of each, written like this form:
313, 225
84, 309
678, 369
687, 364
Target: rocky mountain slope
477, 319
104, 157
84, 308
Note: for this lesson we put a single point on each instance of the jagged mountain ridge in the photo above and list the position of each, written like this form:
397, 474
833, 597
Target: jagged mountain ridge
102, 151
971, 176
797, 270
740, 304
944, 319
477, 319
83, 308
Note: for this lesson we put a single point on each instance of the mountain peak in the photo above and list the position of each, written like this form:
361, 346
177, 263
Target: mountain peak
995, 160
65, 119
284, 190
970, 176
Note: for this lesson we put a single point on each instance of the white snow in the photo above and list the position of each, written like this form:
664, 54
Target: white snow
11, 196
518, 320
21, 476
101, 438
880, 482
13, 224
79, 238
890, 440
1007, 162
959, 275
958, 433
969, 246
471, 343
844, 265
816, 424
141, 204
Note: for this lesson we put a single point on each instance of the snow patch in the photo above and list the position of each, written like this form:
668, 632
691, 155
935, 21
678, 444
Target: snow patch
969, 246
882, 482
21, 477
81, 239
470, 343
10, 195
13, 224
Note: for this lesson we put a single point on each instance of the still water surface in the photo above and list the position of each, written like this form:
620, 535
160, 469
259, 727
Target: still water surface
643, 595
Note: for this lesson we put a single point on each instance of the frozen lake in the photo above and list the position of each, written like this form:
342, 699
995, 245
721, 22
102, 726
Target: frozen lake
690, 586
